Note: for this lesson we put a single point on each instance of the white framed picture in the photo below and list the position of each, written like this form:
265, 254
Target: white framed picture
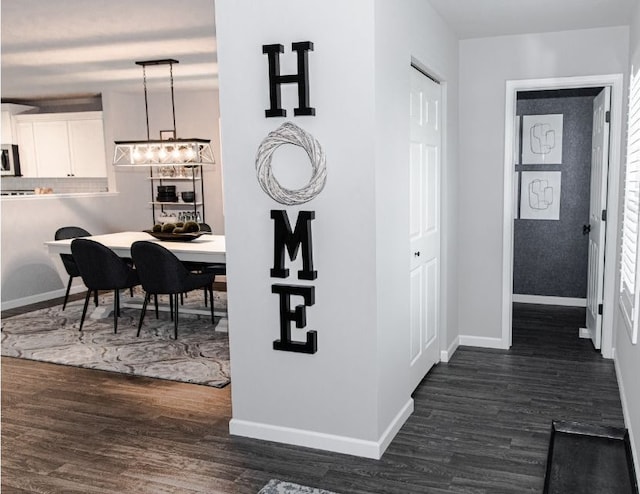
540, 195
542, 139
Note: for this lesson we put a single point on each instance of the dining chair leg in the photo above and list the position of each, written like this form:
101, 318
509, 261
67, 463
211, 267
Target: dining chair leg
175, 320
95, 297
213, 319
66, 295
155, 299
147, 296
84, 310
116, 310
171, 297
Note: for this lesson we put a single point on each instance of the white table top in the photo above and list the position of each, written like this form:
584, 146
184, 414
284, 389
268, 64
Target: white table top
207, 248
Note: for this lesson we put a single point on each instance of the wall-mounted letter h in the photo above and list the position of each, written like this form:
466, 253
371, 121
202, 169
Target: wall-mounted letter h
301, 79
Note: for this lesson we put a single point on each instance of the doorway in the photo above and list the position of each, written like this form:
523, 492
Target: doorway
513, 188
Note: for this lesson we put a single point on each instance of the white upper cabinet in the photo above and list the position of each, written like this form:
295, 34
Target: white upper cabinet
61, 144
86, 145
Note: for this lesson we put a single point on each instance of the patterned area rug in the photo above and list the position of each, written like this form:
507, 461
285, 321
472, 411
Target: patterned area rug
200, 355
279, 487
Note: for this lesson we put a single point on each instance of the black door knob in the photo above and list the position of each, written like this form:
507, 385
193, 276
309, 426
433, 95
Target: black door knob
586, 229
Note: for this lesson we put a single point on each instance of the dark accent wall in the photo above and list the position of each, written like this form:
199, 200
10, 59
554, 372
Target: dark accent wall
550, 257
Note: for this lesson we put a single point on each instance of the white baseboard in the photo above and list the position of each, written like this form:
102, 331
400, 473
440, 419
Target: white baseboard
445, 355
482, 342
627, 417
318, 440
542, 299
40, 297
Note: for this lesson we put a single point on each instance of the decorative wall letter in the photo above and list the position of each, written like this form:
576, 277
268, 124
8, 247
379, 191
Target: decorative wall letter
301, 79
283, 236
298, 315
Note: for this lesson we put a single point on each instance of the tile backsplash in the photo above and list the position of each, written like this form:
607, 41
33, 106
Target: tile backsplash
62, 185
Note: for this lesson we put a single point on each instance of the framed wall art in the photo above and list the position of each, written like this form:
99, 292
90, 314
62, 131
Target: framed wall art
542, 139
540, 195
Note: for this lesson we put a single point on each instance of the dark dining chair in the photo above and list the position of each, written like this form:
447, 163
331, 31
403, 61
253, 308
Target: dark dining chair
162, 273
217, 268
70, 265
101, 269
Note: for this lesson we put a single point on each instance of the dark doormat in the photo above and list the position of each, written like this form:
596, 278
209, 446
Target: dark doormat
589, 459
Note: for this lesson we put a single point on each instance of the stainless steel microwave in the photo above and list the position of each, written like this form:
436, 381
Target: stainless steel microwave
10, 160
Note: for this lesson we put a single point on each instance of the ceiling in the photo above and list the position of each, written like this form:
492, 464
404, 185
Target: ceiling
78, 47
52, 48
485, 18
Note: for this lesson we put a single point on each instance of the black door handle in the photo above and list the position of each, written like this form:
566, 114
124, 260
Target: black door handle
586, 229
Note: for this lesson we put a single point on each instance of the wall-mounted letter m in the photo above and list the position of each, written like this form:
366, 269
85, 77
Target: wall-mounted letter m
301, 79
292, 240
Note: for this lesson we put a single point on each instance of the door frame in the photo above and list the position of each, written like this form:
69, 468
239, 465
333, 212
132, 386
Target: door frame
616, 82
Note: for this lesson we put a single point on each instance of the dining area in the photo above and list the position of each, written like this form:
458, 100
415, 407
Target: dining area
161, 264
100, 321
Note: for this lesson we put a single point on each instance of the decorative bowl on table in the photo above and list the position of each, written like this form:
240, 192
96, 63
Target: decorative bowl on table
174, 237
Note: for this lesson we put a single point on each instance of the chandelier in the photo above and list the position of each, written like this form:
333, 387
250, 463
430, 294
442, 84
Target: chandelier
161, 152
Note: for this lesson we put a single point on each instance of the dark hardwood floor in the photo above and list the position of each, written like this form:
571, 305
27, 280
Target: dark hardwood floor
481, 425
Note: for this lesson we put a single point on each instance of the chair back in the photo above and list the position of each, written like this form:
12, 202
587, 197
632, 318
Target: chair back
100, 267
67, 259
71, 232
160, 271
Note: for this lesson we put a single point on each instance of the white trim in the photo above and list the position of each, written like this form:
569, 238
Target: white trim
584, 333
40, 297
482, 342
445, 355
545, 300
616, 82
318, 440
627, 416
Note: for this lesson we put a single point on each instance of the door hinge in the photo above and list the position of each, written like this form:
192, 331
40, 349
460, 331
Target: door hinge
604, 215
600, 309
607, 116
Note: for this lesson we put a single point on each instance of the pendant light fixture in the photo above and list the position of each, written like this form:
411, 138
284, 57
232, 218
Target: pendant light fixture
162, 152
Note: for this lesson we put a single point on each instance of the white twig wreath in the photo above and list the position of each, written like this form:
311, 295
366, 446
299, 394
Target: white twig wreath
289, 133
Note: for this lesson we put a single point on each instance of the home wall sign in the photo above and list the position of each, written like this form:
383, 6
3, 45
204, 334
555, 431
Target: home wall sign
285, 239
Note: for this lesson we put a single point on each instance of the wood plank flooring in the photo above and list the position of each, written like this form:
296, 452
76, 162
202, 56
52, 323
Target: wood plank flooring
481, 425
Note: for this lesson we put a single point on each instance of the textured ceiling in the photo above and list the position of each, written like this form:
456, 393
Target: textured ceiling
78, 46
52, 48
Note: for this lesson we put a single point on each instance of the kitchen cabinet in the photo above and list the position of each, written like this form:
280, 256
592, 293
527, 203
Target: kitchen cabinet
61, 144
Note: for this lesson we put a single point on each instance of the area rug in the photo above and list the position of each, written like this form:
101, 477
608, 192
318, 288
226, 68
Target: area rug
200, 355
589, 459
276, 486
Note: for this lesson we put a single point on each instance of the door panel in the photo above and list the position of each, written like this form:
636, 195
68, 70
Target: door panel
599, 170
424, 234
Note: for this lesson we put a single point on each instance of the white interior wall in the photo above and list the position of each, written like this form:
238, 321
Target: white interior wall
405, 31
330, 395
485, 65
627, 356
350, 395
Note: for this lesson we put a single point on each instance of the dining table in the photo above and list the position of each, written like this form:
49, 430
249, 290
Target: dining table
207, 248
